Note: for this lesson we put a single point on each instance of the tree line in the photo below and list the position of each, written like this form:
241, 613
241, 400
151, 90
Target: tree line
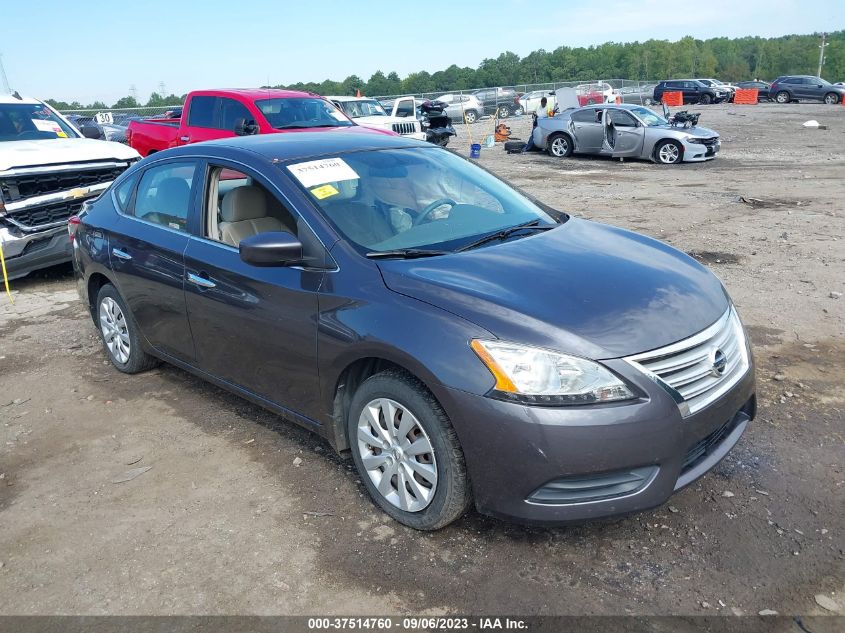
728, 59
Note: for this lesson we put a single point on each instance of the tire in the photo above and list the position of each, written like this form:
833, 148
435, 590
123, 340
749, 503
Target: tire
831, 98
443, 466
504, 112
559, 145
591, 101
705, 99
782, 97
648, 101
470, 116
667, 156
518, 110
120, 334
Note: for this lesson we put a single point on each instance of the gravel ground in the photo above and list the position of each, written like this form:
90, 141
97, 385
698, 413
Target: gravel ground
241, 512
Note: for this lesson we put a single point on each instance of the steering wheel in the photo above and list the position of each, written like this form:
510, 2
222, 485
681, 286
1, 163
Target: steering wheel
431, 207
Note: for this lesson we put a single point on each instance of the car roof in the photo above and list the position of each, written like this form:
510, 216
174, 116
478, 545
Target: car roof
8, 98
344, 98
299, 145
259, 93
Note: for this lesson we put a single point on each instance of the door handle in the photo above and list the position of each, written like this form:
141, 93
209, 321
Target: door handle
121, 254
202, 282
184, 139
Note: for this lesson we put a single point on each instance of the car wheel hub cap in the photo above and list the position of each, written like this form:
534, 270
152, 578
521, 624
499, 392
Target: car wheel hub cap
669, 153
397, 454
114, 329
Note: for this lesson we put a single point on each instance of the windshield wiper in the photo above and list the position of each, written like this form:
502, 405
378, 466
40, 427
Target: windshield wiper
533, 225
405, 253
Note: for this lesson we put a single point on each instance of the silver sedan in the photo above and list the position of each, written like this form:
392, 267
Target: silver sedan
624, 130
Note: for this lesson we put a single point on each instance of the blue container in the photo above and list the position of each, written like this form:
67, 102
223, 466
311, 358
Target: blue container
475, 150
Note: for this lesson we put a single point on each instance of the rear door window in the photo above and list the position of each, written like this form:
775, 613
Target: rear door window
202, 111
164, 195
123, 192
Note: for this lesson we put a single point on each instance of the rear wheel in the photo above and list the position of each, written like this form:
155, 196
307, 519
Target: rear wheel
669, 153
560, 145
705, 99
406, 452
782, 97
120, 333
648, 101
831, 98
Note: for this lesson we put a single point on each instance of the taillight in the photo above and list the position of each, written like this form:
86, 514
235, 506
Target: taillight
73, 223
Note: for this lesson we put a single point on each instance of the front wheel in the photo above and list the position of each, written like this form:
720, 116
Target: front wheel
560, 146
406, 452
782, 97
831, 98
504, 112
669, 153
470, 116
120, 333
648, 101
705, 99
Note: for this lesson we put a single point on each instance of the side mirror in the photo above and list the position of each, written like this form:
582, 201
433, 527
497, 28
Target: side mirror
274, 248
244, 127
89, 131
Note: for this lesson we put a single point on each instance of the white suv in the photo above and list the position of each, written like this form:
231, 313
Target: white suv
47, 172
370, 113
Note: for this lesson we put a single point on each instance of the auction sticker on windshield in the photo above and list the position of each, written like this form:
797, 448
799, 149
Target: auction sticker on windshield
320, 172
48, 126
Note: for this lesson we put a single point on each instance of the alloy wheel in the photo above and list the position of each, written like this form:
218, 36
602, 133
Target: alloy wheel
559, 146
469, 117
669, 153
115, 331
397, 454
830, 99
782, 97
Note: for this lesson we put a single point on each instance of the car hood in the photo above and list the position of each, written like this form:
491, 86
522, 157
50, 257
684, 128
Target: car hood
582, 288
696, 131
385, 122
60, 150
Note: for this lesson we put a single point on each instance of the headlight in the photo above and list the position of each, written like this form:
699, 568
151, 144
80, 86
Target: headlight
539, 376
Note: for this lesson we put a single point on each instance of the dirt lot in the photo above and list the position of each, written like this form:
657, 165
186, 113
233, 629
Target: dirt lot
226, 522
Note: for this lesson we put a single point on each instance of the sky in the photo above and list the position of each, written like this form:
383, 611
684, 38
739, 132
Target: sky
79, 51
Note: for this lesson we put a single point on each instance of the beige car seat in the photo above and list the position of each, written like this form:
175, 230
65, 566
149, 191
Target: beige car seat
244, 213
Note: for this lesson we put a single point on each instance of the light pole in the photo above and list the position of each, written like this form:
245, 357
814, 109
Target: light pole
5, 79
821, 55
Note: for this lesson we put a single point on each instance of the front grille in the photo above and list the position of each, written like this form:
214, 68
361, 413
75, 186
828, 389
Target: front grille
704, 447
45, 215
27, 185
404, 128
688, 369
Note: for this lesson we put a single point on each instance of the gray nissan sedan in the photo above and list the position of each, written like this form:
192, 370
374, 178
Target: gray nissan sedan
624, 131
465, 343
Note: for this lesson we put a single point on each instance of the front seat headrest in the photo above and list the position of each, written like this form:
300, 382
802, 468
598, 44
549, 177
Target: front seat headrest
244, 203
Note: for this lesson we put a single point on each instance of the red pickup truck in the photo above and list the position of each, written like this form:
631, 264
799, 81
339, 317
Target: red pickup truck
213, 114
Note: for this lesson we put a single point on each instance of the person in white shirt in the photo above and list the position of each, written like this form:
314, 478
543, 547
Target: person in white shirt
540, 113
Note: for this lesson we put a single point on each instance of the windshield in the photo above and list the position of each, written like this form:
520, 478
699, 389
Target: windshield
31, 121
384, 200
649, 117
356, 109
301, 113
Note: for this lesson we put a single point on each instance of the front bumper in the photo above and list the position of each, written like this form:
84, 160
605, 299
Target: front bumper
29, 252
696, 152
513, 451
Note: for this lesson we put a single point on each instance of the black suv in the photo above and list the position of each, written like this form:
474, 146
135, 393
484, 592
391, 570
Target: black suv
694, 91
505, 99
800, 87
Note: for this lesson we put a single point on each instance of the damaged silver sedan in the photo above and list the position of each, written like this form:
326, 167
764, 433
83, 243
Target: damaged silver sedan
626, 131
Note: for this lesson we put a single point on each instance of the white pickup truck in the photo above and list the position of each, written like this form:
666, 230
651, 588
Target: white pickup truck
47, 171
370, 113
